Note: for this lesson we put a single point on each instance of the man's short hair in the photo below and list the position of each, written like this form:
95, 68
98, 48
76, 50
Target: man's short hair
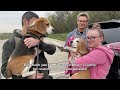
83, 14
28, 15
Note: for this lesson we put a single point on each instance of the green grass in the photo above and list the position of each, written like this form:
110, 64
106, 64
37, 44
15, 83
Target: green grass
5, 36
61, 37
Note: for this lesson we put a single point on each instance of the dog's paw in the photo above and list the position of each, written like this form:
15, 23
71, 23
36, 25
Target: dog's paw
9, 78
28, 73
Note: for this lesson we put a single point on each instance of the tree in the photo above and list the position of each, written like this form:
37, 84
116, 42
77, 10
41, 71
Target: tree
66, 21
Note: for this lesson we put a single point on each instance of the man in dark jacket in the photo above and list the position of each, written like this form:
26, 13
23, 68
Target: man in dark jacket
9, 46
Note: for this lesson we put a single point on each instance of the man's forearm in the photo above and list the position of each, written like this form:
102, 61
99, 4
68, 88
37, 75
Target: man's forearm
50, 49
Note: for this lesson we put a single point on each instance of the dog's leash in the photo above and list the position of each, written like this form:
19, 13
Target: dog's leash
37, 62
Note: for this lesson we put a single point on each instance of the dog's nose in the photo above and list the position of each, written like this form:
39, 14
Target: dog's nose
71, 42
53, 30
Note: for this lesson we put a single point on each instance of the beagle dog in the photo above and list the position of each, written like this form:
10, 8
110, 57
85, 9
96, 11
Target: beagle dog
78, 48
22, 58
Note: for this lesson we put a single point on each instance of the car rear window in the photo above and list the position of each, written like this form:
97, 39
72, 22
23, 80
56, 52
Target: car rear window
107, 25
111, 31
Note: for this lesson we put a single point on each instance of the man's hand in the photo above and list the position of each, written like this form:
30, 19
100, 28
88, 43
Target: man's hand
31, 42
39, 76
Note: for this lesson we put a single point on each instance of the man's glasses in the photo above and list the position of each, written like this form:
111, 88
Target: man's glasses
82, 21
92, 38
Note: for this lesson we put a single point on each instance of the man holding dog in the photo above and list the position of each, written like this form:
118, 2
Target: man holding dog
82, 22
8, 47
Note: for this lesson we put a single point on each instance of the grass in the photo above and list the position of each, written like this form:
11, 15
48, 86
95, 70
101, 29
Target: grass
61, 37
4, 36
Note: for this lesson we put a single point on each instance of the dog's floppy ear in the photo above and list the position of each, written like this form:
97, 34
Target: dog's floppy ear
81, 48
40, 26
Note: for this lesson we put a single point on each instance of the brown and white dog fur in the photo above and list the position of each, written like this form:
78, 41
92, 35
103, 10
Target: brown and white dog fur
22, 58
77, 50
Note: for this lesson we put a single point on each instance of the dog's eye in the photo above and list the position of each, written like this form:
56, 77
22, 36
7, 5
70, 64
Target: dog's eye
47, 24
77, 41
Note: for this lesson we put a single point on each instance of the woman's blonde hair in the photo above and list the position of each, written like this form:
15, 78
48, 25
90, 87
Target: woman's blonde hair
96, 25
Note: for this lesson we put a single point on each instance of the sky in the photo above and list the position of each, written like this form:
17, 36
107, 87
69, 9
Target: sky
10, 20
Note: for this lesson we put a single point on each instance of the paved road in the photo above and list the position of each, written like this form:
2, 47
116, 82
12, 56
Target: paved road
56, 61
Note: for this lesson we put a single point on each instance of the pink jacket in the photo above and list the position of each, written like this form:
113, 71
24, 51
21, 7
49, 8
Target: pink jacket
98, 61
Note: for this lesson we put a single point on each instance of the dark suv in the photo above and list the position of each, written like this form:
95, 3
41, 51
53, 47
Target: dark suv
111, 31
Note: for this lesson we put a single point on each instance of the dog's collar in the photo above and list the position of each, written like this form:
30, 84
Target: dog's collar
42, 35
35, 36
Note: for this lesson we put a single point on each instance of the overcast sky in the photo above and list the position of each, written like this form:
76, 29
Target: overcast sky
10, 20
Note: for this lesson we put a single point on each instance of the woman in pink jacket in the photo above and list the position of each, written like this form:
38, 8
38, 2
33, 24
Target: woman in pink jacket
99, 59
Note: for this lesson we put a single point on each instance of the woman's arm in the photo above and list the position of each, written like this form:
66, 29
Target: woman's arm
92, 59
